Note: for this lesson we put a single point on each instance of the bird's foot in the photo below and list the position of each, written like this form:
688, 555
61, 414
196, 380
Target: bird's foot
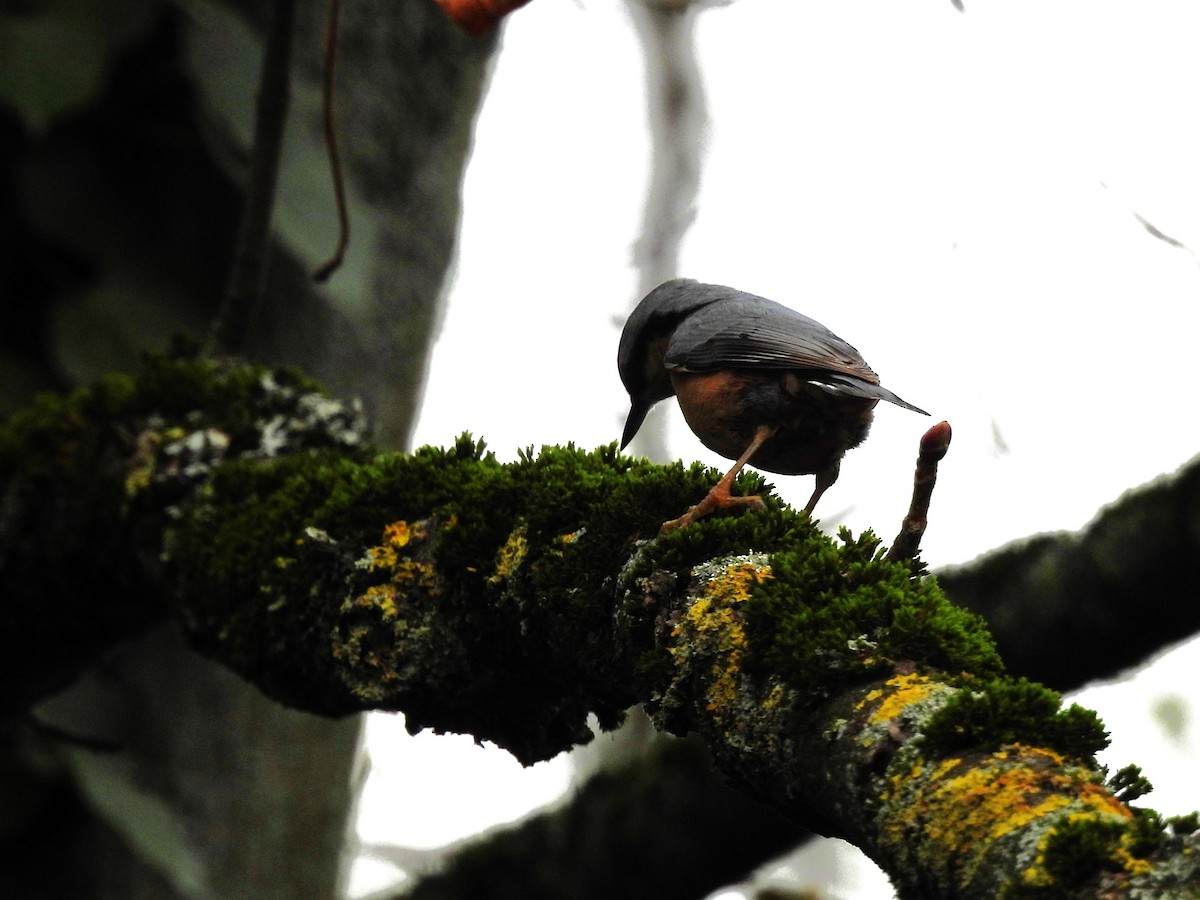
713, 500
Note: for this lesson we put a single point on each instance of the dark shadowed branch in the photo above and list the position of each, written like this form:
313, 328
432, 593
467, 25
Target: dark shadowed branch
1070, 607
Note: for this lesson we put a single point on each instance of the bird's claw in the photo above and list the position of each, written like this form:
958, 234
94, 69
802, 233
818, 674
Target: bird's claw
712, 501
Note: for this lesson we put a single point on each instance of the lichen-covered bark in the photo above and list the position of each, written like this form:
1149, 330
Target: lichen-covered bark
947, 780
995, 818
509, 601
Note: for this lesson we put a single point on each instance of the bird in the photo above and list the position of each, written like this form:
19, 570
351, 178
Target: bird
758, 383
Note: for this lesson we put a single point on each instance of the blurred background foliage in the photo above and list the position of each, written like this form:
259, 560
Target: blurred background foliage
116, 223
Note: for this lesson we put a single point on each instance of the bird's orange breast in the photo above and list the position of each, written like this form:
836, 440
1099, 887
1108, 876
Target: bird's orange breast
713, 406
813, 428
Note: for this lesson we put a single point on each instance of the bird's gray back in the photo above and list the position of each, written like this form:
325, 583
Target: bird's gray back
734, 329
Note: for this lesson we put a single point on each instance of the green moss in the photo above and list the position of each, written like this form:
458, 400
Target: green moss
1128, 783
1146, 833
241, 400
1185, 824
989, 712
835, 613
1078, 850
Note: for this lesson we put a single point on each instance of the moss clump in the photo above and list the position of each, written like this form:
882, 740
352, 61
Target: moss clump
1185, 824
987, 713
251, 407
44, 438
832, 614
1079, 849
1128, 783
1146, 833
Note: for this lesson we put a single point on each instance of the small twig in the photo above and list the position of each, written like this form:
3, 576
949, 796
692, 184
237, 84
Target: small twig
676, 113
247, 280
1159, 233
334, 262
934, 444
1153, 230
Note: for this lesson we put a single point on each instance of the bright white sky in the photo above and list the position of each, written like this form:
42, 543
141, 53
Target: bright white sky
954, 194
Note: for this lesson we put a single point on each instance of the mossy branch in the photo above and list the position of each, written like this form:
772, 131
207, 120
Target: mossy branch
509, 601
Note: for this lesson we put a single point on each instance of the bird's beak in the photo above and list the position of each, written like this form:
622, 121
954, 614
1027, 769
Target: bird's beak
637, 415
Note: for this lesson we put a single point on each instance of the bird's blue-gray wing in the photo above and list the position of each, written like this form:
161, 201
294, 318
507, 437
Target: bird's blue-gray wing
742, 330
736, 330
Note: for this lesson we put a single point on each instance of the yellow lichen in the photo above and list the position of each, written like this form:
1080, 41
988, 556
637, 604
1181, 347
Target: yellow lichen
398, 534
138, 480
1037, 875
402, 570
1100, 799
510, 556
1133, 865
993, 800
380, 596
869, 697
421, 573
382, 557
963, 805
714, 623
387, 603
777, 697
902, 691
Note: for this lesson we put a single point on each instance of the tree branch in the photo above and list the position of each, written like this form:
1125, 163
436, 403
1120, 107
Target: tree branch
247, 280
509, 601
933, 447
683, 834
1070, 607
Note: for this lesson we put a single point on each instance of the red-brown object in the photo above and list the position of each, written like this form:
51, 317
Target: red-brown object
477, 16
934, 445
757, 382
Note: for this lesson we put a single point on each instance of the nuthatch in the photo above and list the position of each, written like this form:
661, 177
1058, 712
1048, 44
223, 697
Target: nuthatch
757, 382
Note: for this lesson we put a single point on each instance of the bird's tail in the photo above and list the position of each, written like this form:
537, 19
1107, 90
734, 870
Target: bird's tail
835, 383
